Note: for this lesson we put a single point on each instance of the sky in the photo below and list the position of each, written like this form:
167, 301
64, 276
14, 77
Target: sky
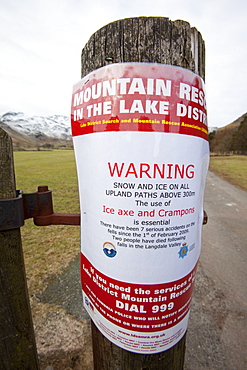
41, 43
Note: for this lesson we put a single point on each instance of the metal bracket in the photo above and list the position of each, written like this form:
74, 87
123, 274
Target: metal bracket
36, 205
11, 213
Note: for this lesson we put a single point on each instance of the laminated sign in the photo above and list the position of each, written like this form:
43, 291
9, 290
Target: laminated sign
141, 144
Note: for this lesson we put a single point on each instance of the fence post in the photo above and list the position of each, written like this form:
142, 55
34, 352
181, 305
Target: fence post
17, 341
151, 40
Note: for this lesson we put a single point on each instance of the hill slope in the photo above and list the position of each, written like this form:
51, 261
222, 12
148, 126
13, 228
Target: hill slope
36, 130
232, 137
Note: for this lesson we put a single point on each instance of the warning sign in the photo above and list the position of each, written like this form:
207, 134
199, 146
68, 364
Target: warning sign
140, 139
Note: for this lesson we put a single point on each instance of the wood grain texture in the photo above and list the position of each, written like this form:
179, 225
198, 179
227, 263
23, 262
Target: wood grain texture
145, 39
17, 342
108, 356
7, 176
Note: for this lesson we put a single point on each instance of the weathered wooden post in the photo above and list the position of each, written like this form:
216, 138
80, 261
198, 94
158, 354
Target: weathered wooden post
17, 341
148, 40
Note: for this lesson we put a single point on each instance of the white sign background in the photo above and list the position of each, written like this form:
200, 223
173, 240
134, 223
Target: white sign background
150, 221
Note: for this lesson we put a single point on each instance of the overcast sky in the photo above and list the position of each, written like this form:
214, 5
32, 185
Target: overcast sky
41, 43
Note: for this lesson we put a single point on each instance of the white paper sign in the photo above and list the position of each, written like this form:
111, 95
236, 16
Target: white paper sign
140, 139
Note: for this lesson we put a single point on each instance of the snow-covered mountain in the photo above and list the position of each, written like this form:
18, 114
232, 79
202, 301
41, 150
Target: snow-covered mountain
56, 126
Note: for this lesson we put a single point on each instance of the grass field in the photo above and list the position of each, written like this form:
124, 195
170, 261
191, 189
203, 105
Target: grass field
231, 168
49, 249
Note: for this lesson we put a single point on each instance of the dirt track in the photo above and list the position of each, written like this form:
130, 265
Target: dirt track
217, 328
217, 332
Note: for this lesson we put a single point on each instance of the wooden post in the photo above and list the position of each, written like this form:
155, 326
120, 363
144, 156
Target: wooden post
17, 341
151, 40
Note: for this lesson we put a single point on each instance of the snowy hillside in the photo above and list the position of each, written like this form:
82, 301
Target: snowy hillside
52, 126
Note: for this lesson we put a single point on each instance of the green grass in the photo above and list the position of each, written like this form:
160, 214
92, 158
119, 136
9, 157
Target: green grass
232, 168
53, 168
48, 249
